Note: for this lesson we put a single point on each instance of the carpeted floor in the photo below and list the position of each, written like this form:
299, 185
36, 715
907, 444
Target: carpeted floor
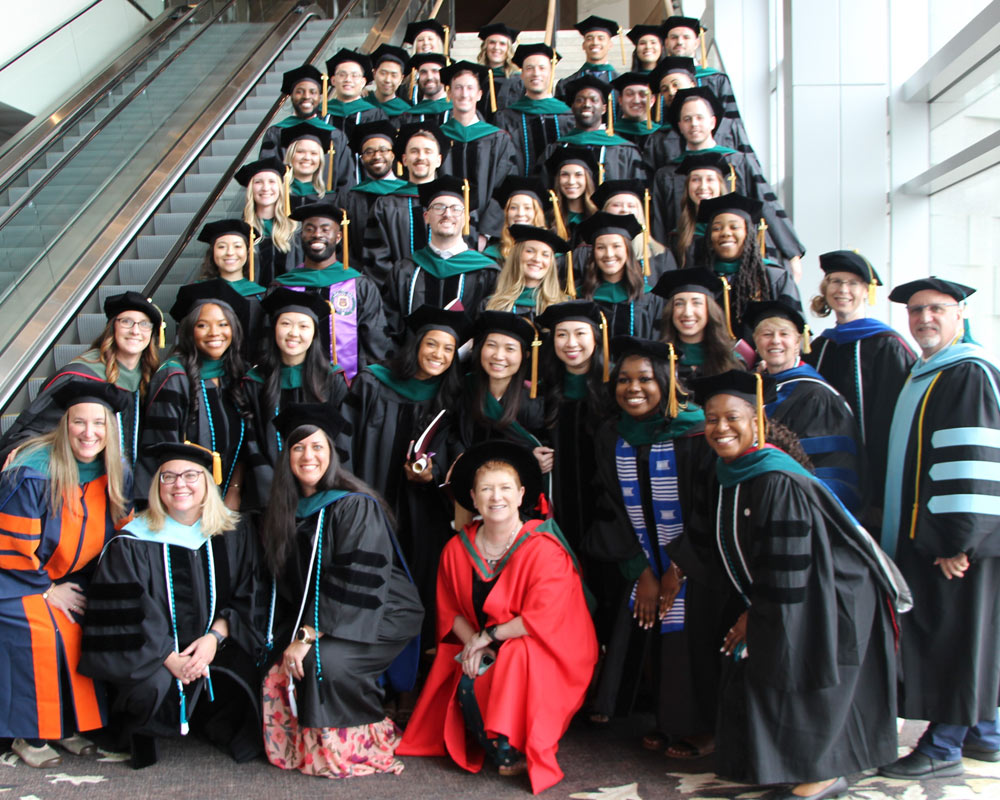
599, 765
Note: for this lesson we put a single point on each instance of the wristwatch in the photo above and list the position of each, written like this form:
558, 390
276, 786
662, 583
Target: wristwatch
492, 633
219, 638
305, 636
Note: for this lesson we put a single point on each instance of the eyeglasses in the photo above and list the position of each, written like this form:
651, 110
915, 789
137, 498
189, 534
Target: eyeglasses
850, 283
368, 152
355, 75
936, 309
188, 476
128, 324
442, 209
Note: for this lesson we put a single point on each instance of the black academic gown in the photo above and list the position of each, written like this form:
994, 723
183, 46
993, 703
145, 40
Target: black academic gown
603, 72
357, 201
533, 125
485, 155
666, 146
346, 118
869, 373
668, 193
271, 262
780, 286
632, 318
343, 158
395, 228
950, 642
368, 611
127, 634
815, 697
507, 91
436, 111
621, 159
682, 706
820, 416
385, 423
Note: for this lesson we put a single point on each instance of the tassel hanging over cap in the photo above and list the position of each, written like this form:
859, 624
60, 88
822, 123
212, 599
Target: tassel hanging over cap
646, 256
250, 245
552, 77
725, 305
493, 91
329, 167
216, 461
806, 340
447, 37
536, 343
732, 178
288, 190
672, 409
762, 238
610, 129
163, 325
605, 349
704, 54
467, 225
649, 114
621, 41
344, 243
557, 213
570, 277
412, 90
326, 89
761, 428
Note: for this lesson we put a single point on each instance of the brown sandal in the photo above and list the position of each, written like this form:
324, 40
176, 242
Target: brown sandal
689, 748
519, 767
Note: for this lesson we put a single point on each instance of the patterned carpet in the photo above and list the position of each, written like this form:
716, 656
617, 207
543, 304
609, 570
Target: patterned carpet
599, 765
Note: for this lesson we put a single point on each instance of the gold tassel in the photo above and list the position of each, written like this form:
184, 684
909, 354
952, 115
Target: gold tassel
761, 438
399, 168
762, 238
344, 244
621, 41
467, 226
288, 191
704, 55
732, 178
610, 130
413, 77
672, 409
552, 78
250, 259
570, 278
163, 324
333, 333
659, 108
872, 284
605, 349
329, 168
535, 344
493, 91
557, 213
871, 292
649, 114
447, 36
216, 461
725, 305
326, 84
645, 234
600, 174
806, 340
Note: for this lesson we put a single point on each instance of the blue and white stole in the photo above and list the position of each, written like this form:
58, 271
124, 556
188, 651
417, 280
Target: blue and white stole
666, 510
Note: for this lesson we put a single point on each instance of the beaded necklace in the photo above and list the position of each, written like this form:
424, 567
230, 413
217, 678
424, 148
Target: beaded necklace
173, 623
314, 558
134, 452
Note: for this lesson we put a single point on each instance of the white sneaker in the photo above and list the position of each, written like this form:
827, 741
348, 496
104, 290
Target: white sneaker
39, 757
78, 745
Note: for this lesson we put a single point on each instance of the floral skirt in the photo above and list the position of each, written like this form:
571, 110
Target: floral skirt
327, 752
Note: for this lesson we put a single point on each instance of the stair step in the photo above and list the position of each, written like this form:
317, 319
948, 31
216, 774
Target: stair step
35, 386
64, 353
152, 246
171, 224
90, 326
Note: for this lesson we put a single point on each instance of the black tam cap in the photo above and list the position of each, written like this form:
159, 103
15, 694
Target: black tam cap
456, 68
417, 61
321, 415
758, 311
247, 172
318, 132
529, 233
682, 22
571, 310
732, 203
281, 300
609, 189
518, 184
903, 292
294, 77
571, 154
431, 318
669, 65
388, 52
193, 295
408, 131
638, 31
446, 184
602, 223
345, 56
223, 227
132, 301
696, 160
630, 79
87, 390
624, 346
586, 81
324, 210
463, 473
162, 452
506, 323
380, 128
736, 382
697, 279
498, 29
592, 23
849, 261
414, 29
533, 49
695, 92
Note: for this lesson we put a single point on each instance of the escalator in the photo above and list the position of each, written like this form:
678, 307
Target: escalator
119, 208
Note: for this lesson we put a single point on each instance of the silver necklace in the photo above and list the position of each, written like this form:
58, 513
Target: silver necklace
490, 559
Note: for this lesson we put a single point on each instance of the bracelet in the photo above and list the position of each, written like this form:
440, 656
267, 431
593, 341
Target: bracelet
45, 594
219, 638
492, 633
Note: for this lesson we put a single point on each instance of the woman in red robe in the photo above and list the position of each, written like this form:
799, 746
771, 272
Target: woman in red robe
515, 644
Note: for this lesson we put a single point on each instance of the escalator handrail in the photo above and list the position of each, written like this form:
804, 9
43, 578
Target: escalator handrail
19, 152
197, 221
141, 87
58, 311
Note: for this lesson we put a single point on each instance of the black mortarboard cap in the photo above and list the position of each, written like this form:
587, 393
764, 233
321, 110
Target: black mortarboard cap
609, 189
132, 301
602, 223
737, 382
425, 318
529, 233
213, 230
246, 173
532, 49
583, 310
388, 52
903, 292
345, 56
446, 184
322, 415
571, 154
319, 133
282, 299
498, 29
415, 28
417, 61
463, 473
732, 203
456, 67
519, 184
703, 92
408, 131
625, 346
324, 210
638, 31
192, 295
594, 23
379, 128
86, 390
586, 81
696, 279
695, 160
682, 22
849, 261
760, 310
307, 72
162, 452
506, 323
630, 79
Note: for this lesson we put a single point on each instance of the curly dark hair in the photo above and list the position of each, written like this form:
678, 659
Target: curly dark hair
785, 438
750, 283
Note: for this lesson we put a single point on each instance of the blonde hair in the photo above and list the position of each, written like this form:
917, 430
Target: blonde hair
317, 179
494, 465
538, 221
215, 517
818, 304
283, 228
64, 476
509, 68
510, 284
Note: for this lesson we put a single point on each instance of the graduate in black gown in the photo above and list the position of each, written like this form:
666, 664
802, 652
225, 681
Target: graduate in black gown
350, 72
433, 105
683, 36
529, 279
648, 41
631, 197
808, 690
391, 64
863, 359
806, 404
537, 119
613, 279
496, 53
278, 249
572, 172
705, 177
635, 119
197, 395
522, 201
652, 476
125, 354
390, 408
598, 35
168, 620
344, 610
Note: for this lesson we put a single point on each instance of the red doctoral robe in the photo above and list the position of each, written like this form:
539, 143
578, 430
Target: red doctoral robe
538, 681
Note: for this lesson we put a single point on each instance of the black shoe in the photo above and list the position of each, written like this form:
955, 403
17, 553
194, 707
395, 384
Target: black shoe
835, 789
917, 766
980, 753
143, 751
